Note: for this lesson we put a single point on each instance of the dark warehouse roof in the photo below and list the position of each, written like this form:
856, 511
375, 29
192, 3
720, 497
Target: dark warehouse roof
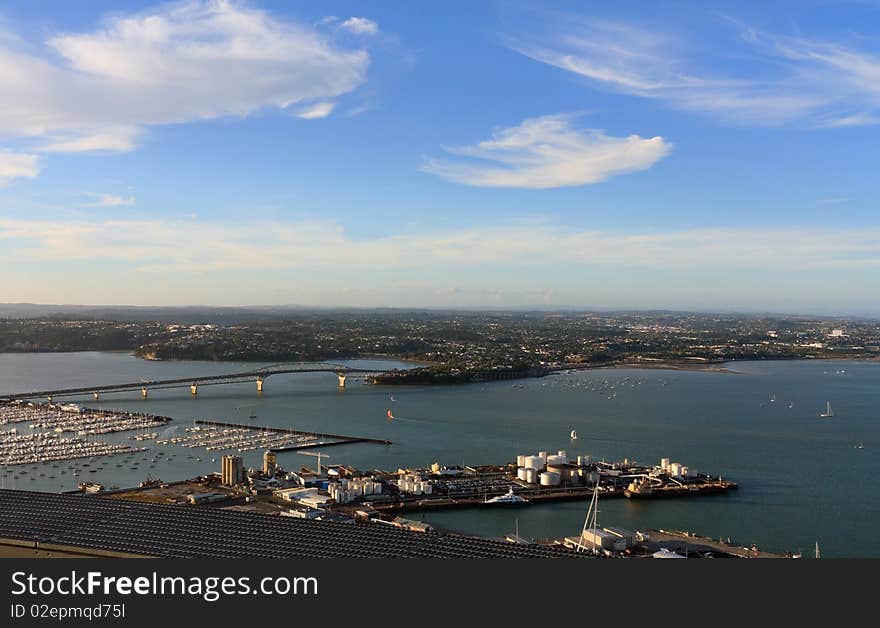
114, 525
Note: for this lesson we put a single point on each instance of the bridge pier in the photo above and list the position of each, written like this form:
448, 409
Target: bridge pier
259, 384
194, 389
341, 377
144, 392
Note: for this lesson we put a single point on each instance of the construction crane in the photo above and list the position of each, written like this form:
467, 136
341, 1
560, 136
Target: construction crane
317, 454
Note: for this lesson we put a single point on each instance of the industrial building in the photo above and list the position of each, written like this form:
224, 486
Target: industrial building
270, 463
90, 525
232, 470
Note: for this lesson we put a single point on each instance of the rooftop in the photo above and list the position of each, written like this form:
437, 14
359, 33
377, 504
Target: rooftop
112, 525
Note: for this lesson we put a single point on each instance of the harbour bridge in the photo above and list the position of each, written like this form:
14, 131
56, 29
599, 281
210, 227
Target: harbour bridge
258, 376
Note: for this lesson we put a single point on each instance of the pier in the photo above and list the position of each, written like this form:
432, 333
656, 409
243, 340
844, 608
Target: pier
315, 439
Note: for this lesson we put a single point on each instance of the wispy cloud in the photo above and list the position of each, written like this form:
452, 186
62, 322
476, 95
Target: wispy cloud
783, 79
16, 165
192, 60
202, 246
360, 26
547, 152
318, 110
107, 200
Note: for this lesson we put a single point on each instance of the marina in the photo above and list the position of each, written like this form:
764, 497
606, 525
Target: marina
76, 419
22, 449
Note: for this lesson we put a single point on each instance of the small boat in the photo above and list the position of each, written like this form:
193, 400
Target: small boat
828, 412
573, 435
508, 499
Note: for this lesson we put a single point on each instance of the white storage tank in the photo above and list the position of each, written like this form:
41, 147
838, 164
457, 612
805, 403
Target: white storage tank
521, 474
531, 475
534, 462
549, 479
521, 460
562, 453
542, 455
675, 469
556, 460
685, 472
664, 463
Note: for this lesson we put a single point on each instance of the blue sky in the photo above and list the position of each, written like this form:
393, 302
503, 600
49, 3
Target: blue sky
711, 155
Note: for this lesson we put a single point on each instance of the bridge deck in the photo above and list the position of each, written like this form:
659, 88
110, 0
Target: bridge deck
182, 382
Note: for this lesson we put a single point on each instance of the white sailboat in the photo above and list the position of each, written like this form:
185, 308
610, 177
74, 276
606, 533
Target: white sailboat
573, 435
828, 412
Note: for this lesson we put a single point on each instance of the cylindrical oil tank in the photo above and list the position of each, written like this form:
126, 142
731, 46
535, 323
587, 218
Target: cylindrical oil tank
561, 469
555, 459
534, 462
549, 478
664, 463
521, 460
531, 475
542, 455
675, 469
562, 453
685, 472
521, 474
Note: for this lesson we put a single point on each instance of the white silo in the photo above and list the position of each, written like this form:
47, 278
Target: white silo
521, 460
556, 460
534, 462
521, 474
675, 469
531, 475
664, 463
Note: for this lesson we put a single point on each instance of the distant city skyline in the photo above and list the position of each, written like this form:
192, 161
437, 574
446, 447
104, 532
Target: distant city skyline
696, 156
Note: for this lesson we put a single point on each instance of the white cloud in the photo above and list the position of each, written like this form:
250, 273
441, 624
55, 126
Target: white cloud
318, 110
17, 165
118, 140
547, 152
201, 246
783, 79
194, 60
108, 200
360, 26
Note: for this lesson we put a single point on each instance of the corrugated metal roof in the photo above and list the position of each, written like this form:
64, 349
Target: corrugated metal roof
191, 532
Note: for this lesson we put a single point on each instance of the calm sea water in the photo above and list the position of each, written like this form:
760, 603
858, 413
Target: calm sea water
802, 478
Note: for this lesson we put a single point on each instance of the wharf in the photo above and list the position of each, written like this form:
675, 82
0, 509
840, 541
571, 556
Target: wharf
690, 543
538, 495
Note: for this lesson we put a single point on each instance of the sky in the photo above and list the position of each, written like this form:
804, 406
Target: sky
679, 155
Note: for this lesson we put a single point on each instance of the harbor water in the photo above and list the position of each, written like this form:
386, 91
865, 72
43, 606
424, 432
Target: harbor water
802, 478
